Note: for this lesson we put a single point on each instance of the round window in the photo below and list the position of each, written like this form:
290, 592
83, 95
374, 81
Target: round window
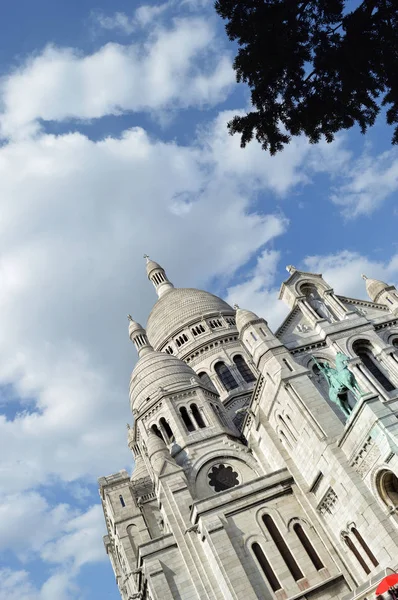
222, 477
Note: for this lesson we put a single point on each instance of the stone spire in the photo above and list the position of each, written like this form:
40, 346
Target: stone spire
158, 276
375, 288
139, 337
244, 317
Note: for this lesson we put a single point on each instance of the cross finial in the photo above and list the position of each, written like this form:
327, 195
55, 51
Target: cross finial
364, 277
130, 318
146, 256
236, 306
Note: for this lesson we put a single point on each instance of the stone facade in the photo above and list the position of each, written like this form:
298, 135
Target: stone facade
249, 483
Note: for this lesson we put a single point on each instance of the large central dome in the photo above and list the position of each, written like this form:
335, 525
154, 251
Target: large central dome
177, 308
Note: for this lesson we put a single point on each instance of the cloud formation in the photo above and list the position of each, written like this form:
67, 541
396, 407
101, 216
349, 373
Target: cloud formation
60, 84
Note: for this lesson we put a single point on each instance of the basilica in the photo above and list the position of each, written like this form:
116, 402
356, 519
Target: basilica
265, 462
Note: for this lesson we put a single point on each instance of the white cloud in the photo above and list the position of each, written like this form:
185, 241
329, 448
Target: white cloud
175, 67
71, 269
367, 183
257, 292
60, 536
343, 271
143, 16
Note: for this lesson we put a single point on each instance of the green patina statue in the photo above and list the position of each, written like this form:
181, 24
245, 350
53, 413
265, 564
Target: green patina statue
340, 380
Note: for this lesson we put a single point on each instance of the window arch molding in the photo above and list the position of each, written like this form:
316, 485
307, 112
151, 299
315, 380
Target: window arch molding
385, 486
229, 374
302, 284
392, 339
373, 342
367, 350
320, 358
277, 517
204, 463
240, 357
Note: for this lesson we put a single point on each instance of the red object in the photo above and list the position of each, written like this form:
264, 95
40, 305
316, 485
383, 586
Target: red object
387, 583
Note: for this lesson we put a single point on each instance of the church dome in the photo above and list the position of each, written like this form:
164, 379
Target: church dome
179, 307
157, 370
374, 287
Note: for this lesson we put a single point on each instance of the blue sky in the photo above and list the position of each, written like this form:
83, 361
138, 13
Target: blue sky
114, 144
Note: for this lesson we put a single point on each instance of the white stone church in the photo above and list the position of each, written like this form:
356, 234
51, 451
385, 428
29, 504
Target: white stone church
250, 482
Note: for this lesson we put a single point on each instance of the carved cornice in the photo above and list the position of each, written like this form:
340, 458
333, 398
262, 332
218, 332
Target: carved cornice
282, 328
209, 347
306, 348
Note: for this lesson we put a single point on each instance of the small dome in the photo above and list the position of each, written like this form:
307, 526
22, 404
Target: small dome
140, 471
134, 326
177, 308
158, 370
243, 317
151, 265
374, 287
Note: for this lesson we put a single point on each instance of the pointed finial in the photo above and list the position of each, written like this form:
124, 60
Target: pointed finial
236, 306
290, 269
364, 277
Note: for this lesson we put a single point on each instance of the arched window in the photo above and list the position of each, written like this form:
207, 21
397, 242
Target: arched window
227, 379
287, 428
284, 439
214, 409
243, 369
167, 429
364, 352
395, 342
350, 544
387, 485
122, 502
197, 416
186, 419
157, 432
283, 548
308, 547
365, 547
287, 364
132, 532
207, 381
266, 567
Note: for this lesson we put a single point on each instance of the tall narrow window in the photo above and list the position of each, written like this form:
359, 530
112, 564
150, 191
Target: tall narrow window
122, 502
287, 428
243, 369
197, 416
227, 379
157, 431
283, 548
207, 381
366, 548
266, 567
216, 413
167, 429
348, 541
287, 364
308, 547
186, 419
366, 355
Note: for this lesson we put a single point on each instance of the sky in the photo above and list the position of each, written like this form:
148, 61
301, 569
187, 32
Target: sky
113, 144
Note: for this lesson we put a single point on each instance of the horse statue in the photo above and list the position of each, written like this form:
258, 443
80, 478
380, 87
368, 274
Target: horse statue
340, 380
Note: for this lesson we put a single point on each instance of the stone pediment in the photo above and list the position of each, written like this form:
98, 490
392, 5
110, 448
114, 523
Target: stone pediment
365, 308
294, 328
